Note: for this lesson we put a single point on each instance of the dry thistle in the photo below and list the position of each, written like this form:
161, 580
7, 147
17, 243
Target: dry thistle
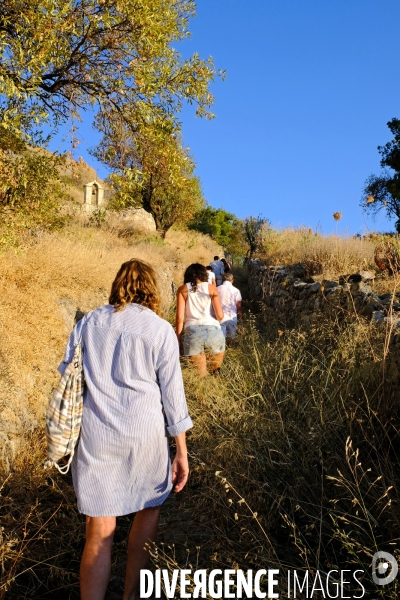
337, 216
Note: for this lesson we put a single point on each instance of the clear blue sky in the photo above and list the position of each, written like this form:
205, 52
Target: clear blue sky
310, 87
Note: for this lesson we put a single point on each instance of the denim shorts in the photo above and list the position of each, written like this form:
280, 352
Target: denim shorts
229, 327
197, 339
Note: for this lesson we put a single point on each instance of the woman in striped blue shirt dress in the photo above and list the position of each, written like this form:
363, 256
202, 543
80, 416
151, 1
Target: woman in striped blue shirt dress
134, 396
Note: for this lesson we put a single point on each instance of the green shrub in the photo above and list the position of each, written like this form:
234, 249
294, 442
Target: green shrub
31, 192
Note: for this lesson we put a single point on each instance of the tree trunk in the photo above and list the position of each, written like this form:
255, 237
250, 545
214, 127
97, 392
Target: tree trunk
161, 228
154, 209
159, 225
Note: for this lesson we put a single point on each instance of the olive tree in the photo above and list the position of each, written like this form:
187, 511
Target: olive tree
153, 170
382, 192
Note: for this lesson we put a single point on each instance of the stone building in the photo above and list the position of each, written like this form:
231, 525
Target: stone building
93, 195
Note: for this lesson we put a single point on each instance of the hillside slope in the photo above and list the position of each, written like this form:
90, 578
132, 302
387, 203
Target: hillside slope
41, 288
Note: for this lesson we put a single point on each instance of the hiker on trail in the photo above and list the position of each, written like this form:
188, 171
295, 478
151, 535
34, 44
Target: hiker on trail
211, 277
227, 266
231, 302
217, 267
197, 330
121, 464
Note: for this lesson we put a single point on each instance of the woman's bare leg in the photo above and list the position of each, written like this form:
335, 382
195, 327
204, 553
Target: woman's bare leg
216, 360
200, 363
144, 529
96, 558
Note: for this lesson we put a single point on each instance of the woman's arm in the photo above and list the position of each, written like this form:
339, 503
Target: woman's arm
180, 312
169, 377
180, 465
216, 303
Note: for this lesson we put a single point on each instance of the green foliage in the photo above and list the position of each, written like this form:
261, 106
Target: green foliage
59, 56
153, 240
252, 230
30, 189
152, 169
98, 217
216, 222
240, 238
383, 191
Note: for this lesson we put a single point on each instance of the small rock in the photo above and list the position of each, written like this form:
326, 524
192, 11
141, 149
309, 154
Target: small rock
298, 270
367, 275
385, 297
359, 286
299, 285
393, 321
355, 278
329, 285
335, 290
378, 316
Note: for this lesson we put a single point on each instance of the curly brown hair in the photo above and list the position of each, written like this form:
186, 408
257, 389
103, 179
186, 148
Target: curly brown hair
136, 281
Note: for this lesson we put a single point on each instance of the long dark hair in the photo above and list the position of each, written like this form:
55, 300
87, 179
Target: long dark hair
193, 273
226, 266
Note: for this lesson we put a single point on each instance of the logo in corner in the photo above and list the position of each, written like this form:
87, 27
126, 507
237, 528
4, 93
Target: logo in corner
384, 568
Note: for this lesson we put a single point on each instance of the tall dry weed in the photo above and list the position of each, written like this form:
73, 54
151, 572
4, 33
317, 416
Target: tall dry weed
294, 450
336, 255
42, 284
302, 432
41, 288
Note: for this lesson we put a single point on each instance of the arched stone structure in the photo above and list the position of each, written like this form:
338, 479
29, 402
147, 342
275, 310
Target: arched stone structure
93, 195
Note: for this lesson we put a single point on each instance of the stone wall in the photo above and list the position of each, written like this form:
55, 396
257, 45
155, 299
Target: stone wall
301, 299
132, 219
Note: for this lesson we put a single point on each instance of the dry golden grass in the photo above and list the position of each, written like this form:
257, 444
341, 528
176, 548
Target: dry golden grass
302, 428
338, 255
291, 491
42, 286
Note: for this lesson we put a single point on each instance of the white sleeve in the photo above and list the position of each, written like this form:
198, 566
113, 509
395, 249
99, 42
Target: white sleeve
170, 380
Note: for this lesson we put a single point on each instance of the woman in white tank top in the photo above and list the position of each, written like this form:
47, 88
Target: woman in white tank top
198, 331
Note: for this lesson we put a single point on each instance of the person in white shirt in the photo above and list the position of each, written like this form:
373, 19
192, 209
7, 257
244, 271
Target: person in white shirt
217, 267
231, 302
199, 331
211, 277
